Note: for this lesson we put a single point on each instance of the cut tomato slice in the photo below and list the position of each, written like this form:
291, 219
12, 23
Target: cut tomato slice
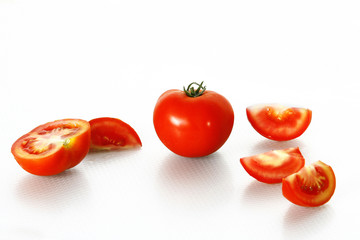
111, 134
53, 147
278, 122
273, 166
312, 186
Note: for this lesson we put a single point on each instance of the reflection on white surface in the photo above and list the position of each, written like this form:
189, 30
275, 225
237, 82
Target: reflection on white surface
195, 184
303, 222
52, 193
265, 145
108, 157
258, 194
23, 233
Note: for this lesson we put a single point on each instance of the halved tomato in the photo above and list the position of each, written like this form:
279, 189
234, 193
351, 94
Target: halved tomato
53, 147
312, 186
111, 134
278, 122
273, 166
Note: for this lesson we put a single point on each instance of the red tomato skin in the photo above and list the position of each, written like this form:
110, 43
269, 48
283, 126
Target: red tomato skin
273, 174
114, 129
292, 188
68, 156
193, 127
287, 193
276, 130
46, 166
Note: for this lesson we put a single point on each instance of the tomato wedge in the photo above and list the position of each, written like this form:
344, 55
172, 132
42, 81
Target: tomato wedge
112, 134
312, 186
273, 166
278, 122
53, 147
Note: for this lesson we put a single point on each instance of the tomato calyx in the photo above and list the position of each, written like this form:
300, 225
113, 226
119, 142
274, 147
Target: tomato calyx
192, 92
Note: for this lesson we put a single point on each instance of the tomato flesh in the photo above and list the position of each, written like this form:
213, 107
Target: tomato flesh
47, 139
112, 134
277, 122
273, 166
312, 186
53, 147
193, 126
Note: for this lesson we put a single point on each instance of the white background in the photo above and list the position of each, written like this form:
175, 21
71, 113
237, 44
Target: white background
88, 59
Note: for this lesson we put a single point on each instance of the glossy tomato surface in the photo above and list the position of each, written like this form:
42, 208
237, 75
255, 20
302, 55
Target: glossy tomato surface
312, 186
273, 166
193, 126
53, 147
278, 122
112, 134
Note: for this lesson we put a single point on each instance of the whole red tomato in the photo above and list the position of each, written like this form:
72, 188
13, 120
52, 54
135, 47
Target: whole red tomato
193, 122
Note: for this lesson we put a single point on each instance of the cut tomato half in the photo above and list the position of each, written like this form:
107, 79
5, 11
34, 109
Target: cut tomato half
111, 134
273, 166
278, 122
312, 186
53, 147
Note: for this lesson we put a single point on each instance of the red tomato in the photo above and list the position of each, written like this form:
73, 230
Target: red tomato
273, 166
193, 123
277, 122
312, 186
53, 147
111, 134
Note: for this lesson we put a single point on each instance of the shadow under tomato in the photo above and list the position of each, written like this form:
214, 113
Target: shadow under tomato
109, 155
301, 222
268, 145
195, 183
258, 194
53, 192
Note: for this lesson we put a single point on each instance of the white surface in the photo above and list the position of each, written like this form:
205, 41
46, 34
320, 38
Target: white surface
87, 59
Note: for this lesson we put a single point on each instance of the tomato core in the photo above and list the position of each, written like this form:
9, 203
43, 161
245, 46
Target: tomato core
311, 181
279, 115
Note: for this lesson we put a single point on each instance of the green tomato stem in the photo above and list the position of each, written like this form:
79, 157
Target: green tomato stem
191, 92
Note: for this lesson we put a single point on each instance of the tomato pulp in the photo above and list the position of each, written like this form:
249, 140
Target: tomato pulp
193, 126
53, 147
